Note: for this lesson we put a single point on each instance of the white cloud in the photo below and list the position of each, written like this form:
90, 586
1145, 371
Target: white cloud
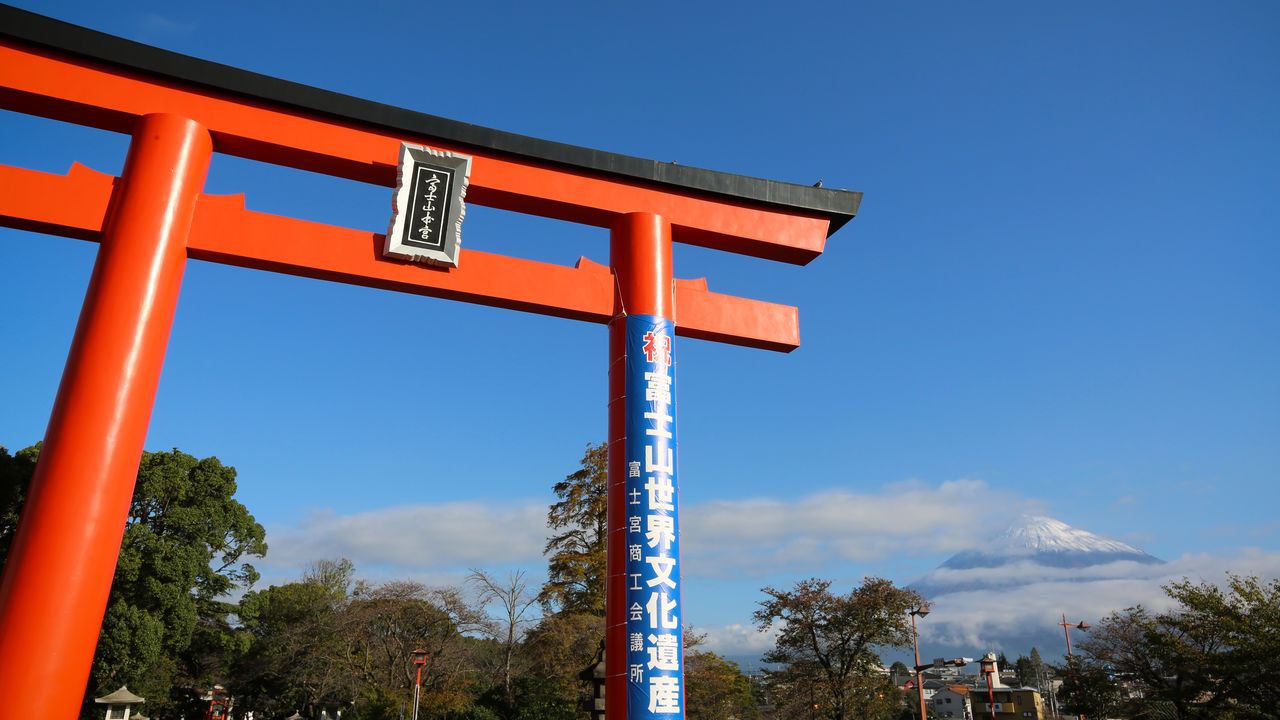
1027, 572
739, 639
755, 537
764, 535
980, 619
965, 623
739, 542
415, 539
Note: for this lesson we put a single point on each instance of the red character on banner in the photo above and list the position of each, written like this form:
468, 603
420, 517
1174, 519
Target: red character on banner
655, 344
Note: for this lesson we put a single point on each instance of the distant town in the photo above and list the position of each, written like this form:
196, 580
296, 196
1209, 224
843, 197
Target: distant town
950, 690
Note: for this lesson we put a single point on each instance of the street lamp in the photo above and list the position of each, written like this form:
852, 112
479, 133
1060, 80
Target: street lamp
988, 663
1066, 629
922, 611
419, 659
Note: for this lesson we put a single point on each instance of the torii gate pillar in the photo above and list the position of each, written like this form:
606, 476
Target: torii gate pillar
64, 553
643, 551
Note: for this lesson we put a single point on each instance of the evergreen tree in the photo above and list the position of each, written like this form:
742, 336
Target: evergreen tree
15, 477
1026, 675
186, 543
184, 549
1039, 673
294, 629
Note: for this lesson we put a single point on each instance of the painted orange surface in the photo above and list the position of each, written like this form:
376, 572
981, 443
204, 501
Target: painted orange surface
43, 83
58, 574
152, 219
224, 232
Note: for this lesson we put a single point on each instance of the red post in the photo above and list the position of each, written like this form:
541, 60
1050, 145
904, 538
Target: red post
640, 256
988, 665
991, 697
59, 570
419, 659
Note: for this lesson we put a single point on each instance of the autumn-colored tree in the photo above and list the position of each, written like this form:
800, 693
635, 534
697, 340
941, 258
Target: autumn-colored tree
715, 688
332, 643
382, 627
560, 647
576, 553
828, 642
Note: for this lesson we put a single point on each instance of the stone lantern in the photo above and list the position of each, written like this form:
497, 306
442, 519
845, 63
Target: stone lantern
120, 704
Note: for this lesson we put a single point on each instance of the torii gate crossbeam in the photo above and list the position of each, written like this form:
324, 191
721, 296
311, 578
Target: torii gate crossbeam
179, 111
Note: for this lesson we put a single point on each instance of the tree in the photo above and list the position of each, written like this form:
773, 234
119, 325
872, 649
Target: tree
514, 601
1089, 689
570, 635
576, 567
184, 549
333, 643
335, 578
1209, 656
828, 643
1027, 676
294, 629
715, 688
380, 629
560, 647
1031, 671
15, 478
1243, 622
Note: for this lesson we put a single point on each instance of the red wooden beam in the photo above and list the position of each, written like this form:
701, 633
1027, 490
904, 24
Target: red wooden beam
224, 232
46, 83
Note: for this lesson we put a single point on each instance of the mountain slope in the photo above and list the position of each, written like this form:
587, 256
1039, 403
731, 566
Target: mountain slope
1032, 549
1052, 543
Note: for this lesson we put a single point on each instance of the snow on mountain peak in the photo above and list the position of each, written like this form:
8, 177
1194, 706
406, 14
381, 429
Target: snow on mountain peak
1040, 534
1035, 547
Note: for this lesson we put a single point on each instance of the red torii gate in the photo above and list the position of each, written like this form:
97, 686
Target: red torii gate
179, 110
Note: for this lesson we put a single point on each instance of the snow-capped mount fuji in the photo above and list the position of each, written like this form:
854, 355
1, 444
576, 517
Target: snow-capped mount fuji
1045, 541
1033, 549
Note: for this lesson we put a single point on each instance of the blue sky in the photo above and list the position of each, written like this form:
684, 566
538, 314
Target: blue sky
1060, 295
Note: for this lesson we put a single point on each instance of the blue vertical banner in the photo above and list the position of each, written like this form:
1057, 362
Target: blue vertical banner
655, 657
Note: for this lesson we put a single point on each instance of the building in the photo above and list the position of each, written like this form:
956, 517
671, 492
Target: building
998, 701
1010, 704
952, 702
